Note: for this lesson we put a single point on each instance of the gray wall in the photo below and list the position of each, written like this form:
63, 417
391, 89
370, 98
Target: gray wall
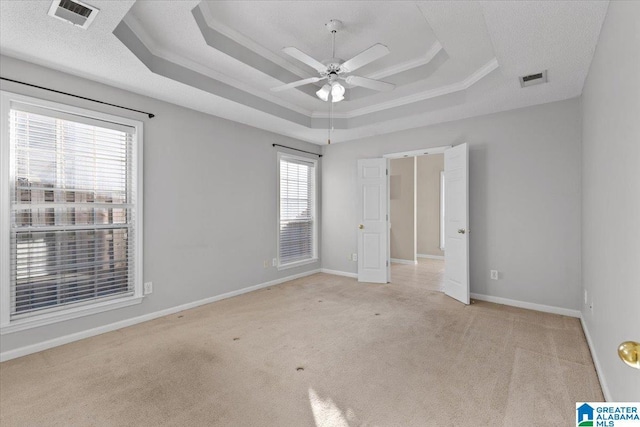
524, 195
402, 199
611, 197
209, 200
428, 204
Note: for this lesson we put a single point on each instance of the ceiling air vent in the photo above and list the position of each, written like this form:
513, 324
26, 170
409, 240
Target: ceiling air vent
73, 12
533, 79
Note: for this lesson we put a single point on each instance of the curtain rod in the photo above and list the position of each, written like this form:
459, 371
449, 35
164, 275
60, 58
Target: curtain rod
151, 116
302, 151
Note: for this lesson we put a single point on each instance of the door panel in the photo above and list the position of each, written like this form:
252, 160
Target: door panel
371, 245
456, 251
372, 199
372, 231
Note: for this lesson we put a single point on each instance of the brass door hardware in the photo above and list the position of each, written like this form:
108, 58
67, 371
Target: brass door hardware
629, 352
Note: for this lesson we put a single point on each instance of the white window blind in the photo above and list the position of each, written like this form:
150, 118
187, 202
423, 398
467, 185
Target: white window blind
297, 235
72, 210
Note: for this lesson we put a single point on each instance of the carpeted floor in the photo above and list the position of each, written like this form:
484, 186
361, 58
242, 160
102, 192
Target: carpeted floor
319, 351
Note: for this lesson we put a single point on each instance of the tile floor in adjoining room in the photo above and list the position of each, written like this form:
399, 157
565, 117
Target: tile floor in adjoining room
427, 274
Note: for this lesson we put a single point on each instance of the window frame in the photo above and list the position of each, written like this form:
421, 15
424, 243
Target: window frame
86, 308
314, 257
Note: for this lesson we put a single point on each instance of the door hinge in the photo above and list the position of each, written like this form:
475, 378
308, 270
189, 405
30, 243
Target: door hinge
387, 172
387, 263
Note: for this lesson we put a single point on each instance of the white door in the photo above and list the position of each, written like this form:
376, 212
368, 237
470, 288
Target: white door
372, 229
456, 228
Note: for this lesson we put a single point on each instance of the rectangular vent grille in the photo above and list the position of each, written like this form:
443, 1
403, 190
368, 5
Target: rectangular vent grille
533, 79
76, 8
73, 12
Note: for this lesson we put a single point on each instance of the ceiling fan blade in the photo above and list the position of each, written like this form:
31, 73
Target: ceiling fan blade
296, 84
363, 58
303, 57
369, 83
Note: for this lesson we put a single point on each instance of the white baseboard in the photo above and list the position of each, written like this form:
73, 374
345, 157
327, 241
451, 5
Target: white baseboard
404, 261
34, 348
528, 305
596, 362
339, 273
430, 256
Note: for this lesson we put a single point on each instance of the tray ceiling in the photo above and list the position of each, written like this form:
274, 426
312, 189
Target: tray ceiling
448, 60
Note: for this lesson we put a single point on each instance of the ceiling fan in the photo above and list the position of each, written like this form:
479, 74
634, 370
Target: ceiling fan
336, 69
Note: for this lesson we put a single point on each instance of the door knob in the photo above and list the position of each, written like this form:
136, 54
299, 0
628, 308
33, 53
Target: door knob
461, 230
629, 352
361, 226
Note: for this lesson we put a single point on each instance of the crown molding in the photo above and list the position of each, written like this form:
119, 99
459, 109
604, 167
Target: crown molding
480, 73
421, 96
247, 42
160, 52
170, 57
408, 65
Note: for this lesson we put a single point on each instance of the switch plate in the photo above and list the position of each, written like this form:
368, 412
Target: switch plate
494, 274
148, 288
274, 262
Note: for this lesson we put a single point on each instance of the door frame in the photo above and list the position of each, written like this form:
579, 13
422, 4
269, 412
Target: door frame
417, 153
413, 153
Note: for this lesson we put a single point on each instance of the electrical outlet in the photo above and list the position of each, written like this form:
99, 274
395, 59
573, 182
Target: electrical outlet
354, 257
494, 274
274, 262
148, 288
586, 297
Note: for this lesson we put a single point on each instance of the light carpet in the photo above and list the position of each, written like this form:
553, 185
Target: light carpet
318, 351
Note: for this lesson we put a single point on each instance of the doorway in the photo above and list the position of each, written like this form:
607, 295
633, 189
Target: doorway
416, 220
374, 252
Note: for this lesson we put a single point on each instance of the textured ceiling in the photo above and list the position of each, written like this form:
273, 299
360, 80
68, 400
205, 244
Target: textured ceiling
448, 60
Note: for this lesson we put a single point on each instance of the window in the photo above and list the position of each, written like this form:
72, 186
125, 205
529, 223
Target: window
297, 227
72, 241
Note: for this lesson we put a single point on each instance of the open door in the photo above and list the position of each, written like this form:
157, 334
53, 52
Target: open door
373, 263
456, 243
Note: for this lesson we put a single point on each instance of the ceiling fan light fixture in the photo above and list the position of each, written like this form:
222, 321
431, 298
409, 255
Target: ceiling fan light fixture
337, 92
323, 93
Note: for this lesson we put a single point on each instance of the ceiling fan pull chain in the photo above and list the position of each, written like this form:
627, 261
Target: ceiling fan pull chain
329, 127
333, 45
330, 119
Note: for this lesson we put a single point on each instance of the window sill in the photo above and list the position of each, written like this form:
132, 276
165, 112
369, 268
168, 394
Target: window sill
71, 313
297, 264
